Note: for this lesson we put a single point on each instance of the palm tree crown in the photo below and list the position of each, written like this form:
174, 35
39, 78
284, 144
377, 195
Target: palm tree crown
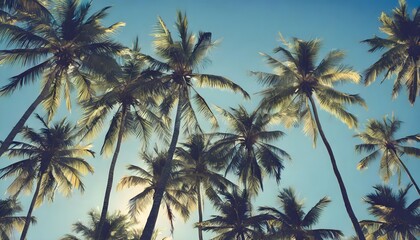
178, 194
8, 221
248, 147
395, 220
51, 158
60, 48
117, 227
235, 221
297, 77
402, 56
291, 220
379, 138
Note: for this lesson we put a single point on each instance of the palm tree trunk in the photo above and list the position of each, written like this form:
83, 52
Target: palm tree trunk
31, 208
347, 204
111, 174
200, 210
408, 173
16, 129
160, 188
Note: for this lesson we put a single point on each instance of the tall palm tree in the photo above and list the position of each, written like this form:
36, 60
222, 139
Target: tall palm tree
180, 60
298, 81
379, 138
8, 221
123, 91
248, 147
235, 221
291, 220
198, 168
402, 55
52, 159
117, 227
395, 220
60, 49
178, 195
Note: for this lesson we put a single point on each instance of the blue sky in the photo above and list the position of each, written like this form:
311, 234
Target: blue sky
245, 28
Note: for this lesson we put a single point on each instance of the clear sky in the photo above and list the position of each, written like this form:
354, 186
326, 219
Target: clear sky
245, 28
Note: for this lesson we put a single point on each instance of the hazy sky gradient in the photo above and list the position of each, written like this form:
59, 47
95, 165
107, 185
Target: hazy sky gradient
245, 28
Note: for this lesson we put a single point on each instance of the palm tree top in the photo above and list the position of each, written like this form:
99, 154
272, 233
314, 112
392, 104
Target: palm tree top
298, 76
402, 55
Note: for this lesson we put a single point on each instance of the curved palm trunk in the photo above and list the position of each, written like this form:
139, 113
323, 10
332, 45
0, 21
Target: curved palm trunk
200, 210
16, 129
111, 175
160, 188
31, 208
408, 173
343, 190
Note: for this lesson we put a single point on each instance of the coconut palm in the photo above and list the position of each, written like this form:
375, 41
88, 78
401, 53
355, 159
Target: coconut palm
299, 81
59, 49
123, 91
178, 195
235, 221
180, 60
52, 159
8, 221
291, 220
379, 139
117, 227
198, 168
248, 147
402, 55
394, 218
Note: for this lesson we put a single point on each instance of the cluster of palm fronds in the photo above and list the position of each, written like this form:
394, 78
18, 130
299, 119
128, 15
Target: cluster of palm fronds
62, 46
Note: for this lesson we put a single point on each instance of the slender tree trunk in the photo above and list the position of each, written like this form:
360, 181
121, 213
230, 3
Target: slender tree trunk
19, 125
408, 173
160, 188
200, 210
111, 174
31, 208
347, 204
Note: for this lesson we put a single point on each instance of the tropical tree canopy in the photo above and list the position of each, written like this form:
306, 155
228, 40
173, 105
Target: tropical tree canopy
117, 227
178, 195
60, 49
298, 76
379, 141
52, 159
395, 218
402, 51
293, 223
248, 148
8, 219
235, 220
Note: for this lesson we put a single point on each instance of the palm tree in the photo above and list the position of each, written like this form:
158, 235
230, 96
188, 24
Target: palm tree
248, 148
235, 221
117, 227
123, 91
63, 48
291, 220
51, 159
8, 221
395, 220
379, 138
402, 56
298, 81
178, 195
180, 59
198, 168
